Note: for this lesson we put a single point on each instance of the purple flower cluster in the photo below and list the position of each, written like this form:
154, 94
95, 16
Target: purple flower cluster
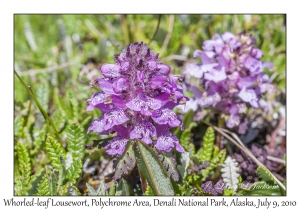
213, 189
136, 100
231, 77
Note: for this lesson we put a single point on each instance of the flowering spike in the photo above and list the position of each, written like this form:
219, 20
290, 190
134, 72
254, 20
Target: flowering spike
231, 77
137, 97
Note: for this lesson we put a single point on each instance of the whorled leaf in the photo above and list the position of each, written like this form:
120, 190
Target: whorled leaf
19, 126
54, 150
44, 187
42, 92
24, 164
74, 171
125, 163
75, 140
208, 145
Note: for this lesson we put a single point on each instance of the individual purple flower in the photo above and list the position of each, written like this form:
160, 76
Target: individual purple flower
136, 99
231, 77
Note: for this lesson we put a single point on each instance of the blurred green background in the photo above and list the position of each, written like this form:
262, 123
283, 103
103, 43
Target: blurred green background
57, 55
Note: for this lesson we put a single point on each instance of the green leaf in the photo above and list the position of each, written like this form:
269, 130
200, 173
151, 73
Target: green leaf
187, 120
152, 170
208, 145
74, 105
112, 190
101, 189
72, 190
34, 181
215, 161
24, 165
123, 188
59, 119
44, 187
265, 175
125, 163
54, 150
42, 92
19, 126
28, 137
62, 172
75, 140
60, 104
261, 189
74, 171
52, 181
38, 140
184, 164
91, 190
149, 191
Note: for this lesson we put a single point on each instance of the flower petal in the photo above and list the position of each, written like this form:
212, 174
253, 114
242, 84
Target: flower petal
110, 70
166, 142
216, 75
166, 116
249, 95
116, 146
120, 85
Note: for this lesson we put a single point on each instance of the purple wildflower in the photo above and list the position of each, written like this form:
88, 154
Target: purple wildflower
214, 189
231, 77
137, 97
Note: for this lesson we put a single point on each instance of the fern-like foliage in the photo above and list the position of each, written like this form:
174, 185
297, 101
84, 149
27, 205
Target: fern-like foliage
43, 187
230, 173
60, 104
208, 145
54, 150
169, 163
24, 168
59, 119
185, 136
265, 175
218, 158
42, 92
75, 140
19, 126
74, 171
125, 163
74, 105
39, 139
149, 191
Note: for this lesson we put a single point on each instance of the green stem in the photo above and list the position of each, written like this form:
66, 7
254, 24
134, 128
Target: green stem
157, 27
47, 118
